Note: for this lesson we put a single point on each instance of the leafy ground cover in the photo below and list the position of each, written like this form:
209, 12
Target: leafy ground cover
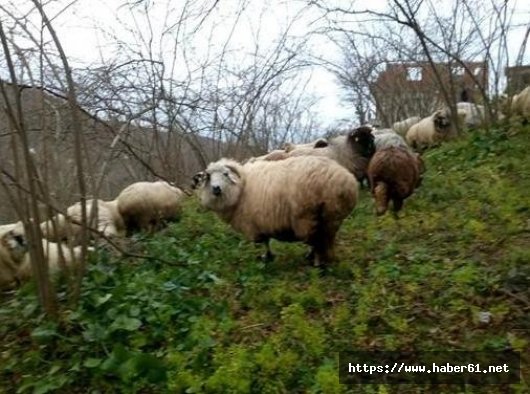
214, 318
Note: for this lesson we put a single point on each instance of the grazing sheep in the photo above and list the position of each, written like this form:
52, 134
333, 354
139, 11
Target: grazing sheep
474, 114
403, 126
13, 246
385, 138
146, 205
521, 104
106, 219
394, 173
434, 129
53, 253
296, 199
353, 151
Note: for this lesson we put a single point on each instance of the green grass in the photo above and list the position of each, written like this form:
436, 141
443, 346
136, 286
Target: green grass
219, 320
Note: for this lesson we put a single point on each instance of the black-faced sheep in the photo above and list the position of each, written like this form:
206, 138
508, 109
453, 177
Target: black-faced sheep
353, 151
106, 219
147, 205
403, 126
434, 129
296, 199
394, 173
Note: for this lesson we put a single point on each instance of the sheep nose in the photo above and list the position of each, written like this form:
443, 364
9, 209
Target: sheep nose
216, 190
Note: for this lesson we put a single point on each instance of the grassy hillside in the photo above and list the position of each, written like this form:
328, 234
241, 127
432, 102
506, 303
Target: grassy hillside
213, 318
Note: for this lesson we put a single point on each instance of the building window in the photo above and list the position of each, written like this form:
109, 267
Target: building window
414, 73
459, 71
477, 71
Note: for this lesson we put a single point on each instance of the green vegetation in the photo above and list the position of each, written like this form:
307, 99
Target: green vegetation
219, 320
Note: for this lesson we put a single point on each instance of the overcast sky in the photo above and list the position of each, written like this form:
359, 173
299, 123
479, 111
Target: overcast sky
87, 29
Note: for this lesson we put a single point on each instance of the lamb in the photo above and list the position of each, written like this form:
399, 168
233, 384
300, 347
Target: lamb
107, 220
353, 151
13, 247
296, 199
385, 138
521, 104
394, 173
146, 205
433, 129
403, 126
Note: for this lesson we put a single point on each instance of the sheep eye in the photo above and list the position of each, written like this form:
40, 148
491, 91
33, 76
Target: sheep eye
226, 174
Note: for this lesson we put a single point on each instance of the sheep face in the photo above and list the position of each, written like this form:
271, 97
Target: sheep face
363, 141
221, 185
198, 179
441, 121
15, 242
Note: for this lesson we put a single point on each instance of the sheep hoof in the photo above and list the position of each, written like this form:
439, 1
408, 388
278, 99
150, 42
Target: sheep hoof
310, 256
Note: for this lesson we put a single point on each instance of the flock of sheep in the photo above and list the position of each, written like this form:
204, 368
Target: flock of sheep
302, 192
140, 206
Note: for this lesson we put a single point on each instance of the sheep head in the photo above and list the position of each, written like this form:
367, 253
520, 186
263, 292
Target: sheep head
14, 241
441, 121
362, 141
221, 185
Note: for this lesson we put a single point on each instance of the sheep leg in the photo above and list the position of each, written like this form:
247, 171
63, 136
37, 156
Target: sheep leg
267, 256
397, 204
324, 246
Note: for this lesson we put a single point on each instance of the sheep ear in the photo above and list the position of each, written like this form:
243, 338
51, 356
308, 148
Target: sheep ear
320, 143
197, 179
234, 169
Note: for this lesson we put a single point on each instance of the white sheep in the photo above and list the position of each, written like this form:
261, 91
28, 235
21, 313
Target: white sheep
146, 205
13, 247
521, 103
106, 219
296, 199
474, 114
403, 126
56, 255
433, 129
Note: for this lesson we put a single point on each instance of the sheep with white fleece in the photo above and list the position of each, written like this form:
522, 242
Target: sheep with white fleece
521, 104
105, 218
147, 205
296, 199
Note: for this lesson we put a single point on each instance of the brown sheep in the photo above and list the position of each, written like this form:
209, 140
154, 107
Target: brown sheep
394, 173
